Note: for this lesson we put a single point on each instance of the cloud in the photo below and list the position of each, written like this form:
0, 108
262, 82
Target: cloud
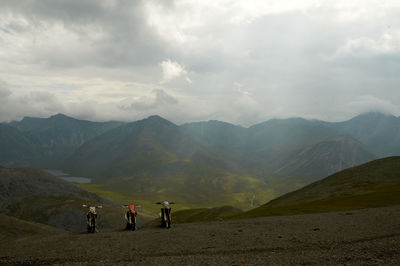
4, 91
239, 61
158, 98
387, 44
172, 70
366, 103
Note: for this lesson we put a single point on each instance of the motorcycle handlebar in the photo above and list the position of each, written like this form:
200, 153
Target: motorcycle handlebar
86, 206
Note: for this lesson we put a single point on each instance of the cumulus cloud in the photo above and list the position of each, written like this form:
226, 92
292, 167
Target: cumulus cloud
172, 70
386, 44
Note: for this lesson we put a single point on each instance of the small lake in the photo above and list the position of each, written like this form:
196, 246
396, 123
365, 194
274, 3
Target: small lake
67, 177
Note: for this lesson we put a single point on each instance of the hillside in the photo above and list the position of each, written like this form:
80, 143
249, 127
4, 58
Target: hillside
325, 158
36, 196
15, 147
11, 228
205, 214
373, 184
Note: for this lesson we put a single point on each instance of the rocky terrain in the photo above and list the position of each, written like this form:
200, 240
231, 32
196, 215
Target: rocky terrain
359, 237
36, 196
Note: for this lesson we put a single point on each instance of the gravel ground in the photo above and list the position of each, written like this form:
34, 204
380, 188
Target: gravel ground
359, 237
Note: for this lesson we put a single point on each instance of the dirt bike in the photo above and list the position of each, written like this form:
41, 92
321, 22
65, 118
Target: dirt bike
130, 217
165, 214
91, 217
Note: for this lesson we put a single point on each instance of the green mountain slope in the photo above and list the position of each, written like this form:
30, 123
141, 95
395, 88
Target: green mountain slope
373, 184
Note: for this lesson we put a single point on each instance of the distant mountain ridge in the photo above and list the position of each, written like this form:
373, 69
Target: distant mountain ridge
202, 161
380, 133
57, 137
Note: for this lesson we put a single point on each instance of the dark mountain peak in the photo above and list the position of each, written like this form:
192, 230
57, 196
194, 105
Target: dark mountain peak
57, 117
60, 116
156, 119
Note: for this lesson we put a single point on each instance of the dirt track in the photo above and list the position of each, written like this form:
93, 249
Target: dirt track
370, 236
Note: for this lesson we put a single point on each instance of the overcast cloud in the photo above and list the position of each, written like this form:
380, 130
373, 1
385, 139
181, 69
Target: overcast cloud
238, 61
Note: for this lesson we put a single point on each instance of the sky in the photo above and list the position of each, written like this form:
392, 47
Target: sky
241, 62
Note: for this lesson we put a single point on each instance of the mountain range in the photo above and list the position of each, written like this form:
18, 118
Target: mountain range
203, 163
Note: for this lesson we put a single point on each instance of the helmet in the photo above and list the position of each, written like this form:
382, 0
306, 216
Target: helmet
92, 209
132, 208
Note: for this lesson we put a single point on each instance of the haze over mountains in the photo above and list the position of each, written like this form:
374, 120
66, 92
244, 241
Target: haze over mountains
203, 162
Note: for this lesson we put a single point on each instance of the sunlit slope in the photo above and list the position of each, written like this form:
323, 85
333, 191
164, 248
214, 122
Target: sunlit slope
370, 185
196, 187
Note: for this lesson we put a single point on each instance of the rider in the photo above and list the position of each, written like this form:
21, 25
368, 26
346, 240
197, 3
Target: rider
91, 213
166, 209
131, 211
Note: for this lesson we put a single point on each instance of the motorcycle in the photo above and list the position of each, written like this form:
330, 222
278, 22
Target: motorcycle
91, 217
130, 216
165, 214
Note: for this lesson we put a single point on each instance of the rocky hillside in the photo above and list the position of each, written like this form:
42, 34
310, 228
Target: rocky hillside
37, 196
